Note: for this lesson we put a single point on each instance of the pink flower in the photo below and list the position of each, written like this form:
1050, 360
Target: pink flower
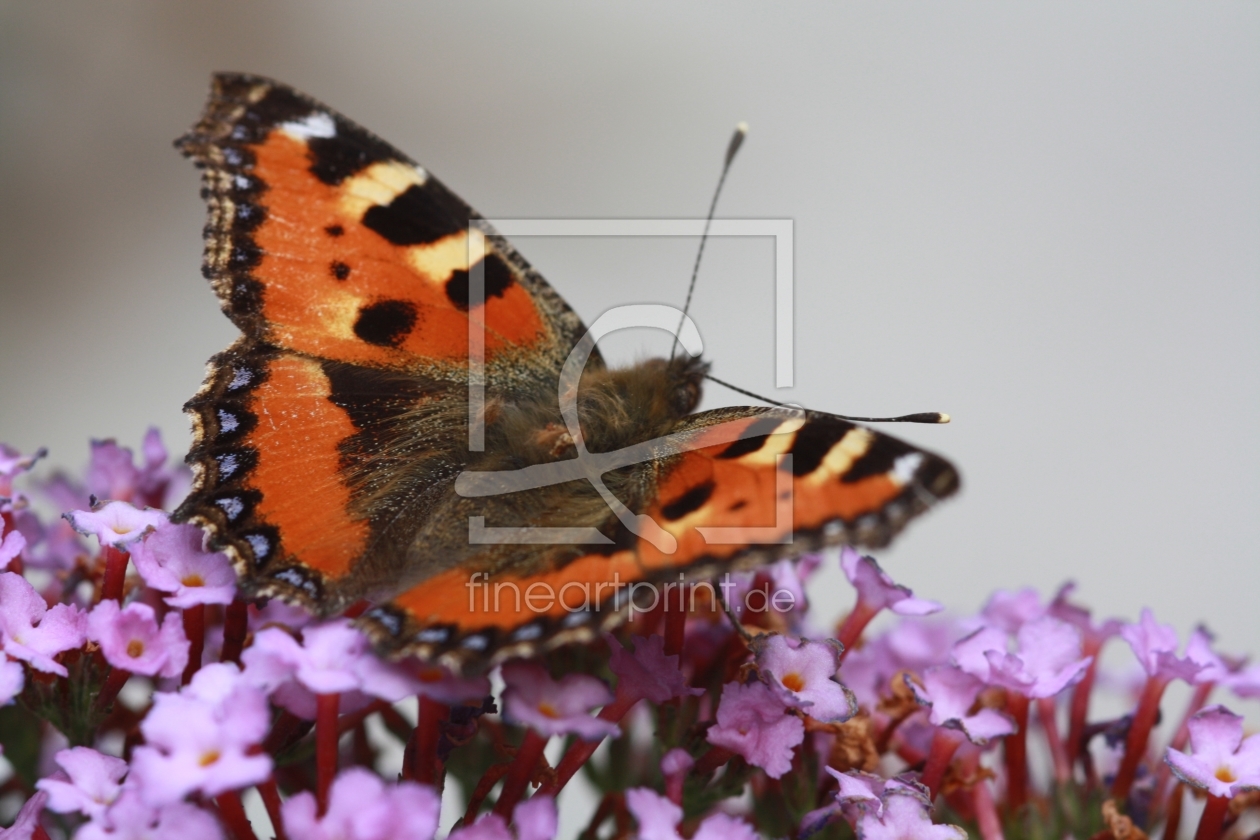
27, 821
805, 673
1048, 659
129, 818
92, 782
1223, 763
905, 816
555, 707
131, 639
11, 546
112, 473
648, 674
332, 658
1008, 611
533, 819
752, 720
201, 738
33, 633
362, 807
658, 819
115, 524
876, 590
171, 559
1155, 646
951, 693
12, 679
13, 464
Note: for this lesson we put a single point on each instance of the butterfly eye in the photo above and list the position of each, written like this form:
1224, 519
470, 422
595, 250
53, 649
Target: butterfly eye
686, 397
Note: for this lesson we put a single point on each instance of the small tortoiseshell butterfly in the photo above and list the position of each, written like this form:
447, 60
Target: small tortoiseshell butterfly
330, 437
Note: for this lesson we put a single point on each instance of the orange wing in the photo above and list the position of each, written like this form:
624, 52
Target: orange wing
325, 240
744, 486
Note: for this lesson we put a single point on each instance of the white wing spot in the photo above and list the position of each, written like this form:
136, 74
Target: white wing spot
232, 506
317, 124
227, 421
260, 544
906, 466
240, 378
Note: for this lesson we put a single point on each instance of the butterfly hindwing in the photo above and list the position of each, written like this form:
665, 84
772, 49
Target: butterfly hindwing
721, 495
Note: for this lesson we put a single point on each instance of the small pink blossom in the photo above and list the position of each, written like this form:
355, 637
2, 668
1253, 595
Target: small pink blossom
752, 720
32, 632
648, 674
129, 818
533, 819
131, 639
906, 815
876, 590
1048, 659
12, 679
171, 559
332, 658
555, 707
202, 738
658, 819
805, 672
1223, 762
115, 524
951, 693
92, 782
27, 821
1155, 646
12, 464
362, 807
10, 547
1008, 611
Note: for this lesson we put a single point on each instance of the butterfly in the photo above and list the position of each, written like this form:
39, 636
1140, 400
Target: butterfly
350, 449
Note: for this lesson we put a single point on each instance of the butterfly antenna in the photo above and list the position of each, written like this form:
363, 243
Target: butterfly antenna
737, 140
921, 417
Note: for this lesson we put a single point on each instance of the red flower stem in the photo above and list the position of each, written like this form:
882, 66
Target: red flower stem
675, 624
854, 623
1139, 734
712, 760
235, 629
1046, 713
1172, 817
423, 745
39, 833
233, 813
270, 794
114, 682
1197, 701
115, 573
1015, 751
1213, 819
581, 751
1078, 712
519, 774
987, 819
326, 736
195, 630
944, 744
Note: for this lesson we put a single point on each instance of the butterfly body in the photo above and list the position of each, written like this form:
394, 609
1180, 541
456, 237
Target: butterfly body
333, 447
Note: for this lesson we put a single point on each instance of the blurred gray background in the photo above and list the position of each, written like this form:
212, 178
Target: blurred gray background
1042, 218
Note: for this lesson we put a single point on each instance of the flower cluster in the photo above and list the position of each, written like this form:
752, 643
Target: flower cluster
141, 698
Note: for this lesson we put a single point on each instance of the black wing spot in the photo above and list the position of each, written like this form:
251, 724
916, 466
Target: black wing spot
813, 441
334, 230
350, 151
339, 269
386, 323
498, 278
688, 502
752, 439
416, 216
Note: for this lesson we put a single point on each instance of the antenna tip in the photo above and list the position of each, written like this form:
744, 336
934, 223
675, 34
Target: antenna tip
944, 418
737, 140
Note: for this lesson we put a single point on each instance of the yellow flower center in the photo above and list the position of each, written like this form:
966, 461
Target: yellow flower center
193, 580
548, 711
793, 681
208, 758
1226, 775
135, 648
